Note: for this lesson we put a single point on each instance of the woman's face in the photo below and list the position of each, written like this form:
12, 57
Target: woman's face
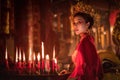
80, 25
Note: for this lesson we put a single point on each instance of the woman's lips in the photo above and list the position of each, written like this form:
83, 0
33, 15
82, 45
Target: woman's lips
76, 30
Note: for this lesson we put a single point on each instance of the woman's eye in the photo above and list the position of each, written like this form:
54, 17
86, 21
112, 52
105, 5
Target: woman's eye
79, 22
76, 23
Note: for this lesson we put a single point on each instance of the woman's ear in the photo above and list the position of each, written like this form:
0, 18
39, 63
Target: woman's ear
88, 24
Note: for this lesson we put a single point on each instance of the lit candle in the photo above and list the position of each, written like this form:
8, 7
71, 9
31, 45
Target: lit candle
53, 61
24, 60
43, 65
23, 57
6, 59
16, 60
42, 50
34, 60
30, 59
47, 64
20, 59
38, 57
54, 52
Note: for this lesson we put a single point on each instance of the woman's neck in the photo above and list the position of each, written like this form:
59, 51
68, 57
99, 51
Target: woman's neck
83, 34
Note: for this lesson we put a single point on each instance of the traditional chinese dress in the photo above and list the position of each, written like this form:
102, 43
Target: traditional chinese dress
86, 61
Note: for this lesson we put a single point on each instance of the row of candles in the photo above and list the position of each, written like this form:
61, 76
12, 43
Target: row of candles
34, 63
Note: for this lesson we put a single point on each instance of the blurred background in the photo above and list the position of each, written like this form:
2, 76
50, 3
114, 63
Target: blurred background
24, 24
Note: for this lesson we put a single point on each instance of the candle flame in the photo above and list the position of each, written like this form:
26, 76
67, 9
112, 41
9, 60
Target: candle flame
47, 57
38, 56
55, 60
23, 56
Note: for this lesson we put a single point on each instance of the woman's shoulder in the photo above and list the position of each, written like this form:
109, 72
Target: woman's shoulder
87, 37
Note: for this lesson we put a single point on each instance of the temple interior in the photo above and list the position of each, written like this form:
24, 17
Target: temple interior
32, 27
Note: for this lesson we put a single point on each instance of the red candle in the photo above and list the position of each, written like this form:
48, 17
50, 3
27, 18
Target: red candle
53, 65
56, 66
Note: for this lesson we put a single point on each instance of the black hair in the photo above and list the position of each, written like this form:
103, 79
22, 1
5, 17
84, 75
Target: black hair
87, 17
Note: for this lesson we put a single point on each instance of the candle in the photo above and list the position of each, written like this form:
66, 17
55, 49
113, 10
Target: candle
43, 65
54, 52
47, 64
30, 59
53, 61
20, 59
6, 59
24, 60
34, 62
16, 59
42, 50
56, 66
23, 57
38, 57
6, 54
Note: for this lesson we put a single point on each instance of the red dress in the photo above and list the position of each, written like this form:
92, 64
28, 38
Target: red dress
86, 61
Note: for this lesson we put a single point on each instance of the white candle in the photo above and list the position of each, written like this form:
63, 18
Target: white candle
16, 60
30, 59
38, 57
34, 57
23, 57
42, 50
54, 52
6, 58
20, 58
30, 55
6, 54
47, 63
23, 64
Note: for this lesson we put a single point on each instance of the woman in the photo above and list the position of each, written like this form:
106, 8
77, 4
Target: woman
85, 58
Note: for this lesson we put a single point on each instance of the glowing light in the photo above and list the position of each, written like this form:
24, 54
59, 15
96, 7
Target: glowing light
6, 54
23, 57
16, 55
42, 50
20, 58
38, 56
54, 52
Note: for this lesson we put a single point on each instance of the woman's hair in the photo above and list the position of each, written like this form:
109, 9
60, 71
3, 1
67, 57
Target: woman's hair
87, 17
